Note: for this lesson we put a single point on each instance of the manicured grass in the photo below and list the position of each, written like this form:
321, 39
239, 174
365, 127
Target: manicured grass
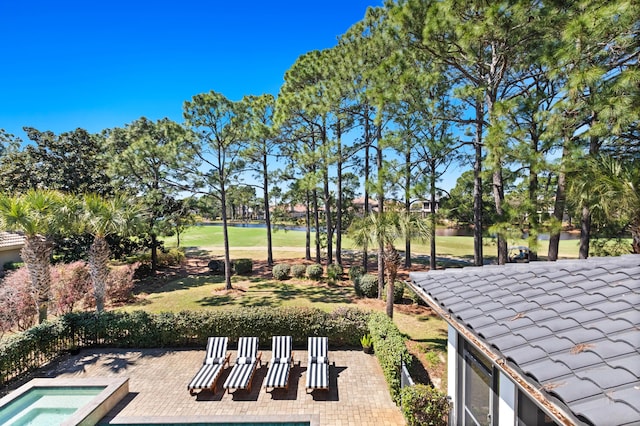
207, 292
251, 242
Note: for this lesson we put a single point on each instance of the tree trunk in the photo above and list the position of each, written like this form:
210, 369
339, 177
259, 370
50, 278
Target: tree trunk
432, 215
327, 214
559, 205
477, 189
533, 225
407, 205
225, 234
36, 254
498, 197
339, 200
585, 225
392, 261
635, 237
154, 251
380, 269
307, 222
380, 213
267, 213
367, 142
316, 216
99, 253
585, 233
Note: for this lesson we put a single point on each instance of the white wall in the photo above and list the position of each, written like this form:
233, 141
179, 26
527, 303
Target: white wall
452, 369
506, 401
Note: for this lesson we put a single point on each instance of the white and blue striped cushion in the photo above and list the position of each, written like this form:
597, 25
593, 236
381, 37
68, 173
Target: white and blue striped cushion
318, 363
214, 359
245, 365
280, 364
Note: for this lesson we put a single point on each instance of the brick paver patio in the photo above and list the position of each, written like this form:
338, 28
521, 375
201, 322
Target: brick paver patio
158, 381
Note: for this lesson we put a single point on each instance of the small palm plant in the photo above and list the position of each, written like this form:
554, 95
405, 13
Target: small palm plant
383, 230
367, 343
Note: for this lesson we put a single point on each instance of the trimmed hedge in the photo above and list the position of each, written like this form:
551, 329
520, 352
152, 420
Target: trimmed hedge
334, 272
40, 344
281, 271
355, 272
315, 271
216, 267
368, 285
425, 405
298, 271
390, 350
243, 266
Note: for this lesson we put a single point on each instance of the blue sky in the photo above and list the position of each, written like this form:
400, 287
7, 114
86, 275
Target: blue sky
103, 63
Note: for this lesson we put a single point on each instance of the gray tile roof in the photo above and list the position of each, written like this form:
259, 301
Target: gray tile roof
10, 239
571, 327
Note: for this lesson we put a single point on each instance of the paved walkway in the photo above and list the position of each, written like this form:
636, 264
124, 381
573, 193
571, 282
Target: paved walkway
158, 389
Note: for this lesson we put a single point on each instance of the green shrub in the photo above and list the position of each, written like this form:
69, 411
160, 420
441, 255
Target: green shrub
368, 285
398, 292
425, 405
12, 266
298, 270
281, 271
314, 272
391, 350
172, 257
142, 270
355, 272
243, 266
334, 272
216, 267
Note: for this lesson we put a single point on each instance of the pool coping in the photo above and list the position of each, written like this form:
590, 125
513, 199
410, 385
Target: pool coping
115, 389
313, 419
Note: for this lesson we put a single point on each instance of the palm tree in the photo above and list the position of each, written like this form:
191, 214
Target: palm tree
615, 190
38, 214
384, 230
103, 217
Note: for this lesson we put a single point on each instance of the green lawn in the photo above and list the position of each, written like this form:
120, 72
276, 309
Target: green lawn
251, 242
207, 292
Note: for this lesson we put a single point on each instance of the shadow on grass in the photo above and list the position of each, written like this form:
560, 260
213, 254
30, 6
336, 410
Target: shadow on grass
187, 283
434, 344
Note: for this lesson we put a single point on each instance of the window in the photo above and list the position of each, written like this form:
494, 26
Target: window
477, 381
529, 414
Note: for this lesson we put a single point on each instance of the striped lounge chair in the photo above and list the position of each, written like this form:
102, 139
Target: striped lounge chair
280, 364
244, 368
318, 364
215, 359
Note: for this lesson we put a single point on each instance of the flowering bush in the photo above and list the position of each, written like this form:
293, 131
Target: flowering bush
18, 308
120, 283
71, 284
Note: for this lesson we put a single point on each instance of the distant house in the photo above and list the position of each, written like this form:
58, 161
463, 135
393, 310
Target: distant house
424, 207
10, 246
544, 343
358, 205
